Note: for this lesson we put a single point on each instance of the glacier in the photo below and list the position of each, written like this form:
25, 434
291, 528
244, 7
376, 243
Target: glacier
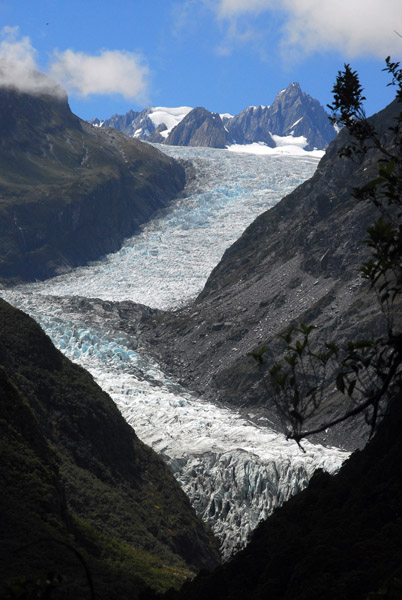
235, 469
168, 263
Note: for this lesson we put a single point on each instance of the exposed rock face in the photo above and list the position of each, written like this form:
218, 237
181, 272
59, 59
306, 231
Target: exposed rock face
133, 123
251, 125
298, 262
70, 192
76, 474
296, 113
157, 137
292, 113
199, 128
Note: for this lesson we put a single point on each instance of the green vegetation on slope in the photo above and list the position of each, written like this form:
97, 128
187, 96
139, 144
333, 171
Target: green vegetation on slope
76, 478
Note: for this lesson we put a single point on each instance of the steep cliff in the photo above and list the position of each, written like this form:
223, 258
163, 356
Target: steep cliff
70, 192
127, 123
251, 125
76, 479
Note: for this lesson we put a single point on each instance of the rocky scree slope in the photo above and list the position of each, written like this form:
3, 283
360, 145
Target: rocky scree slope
70, 192
298, 262
75, 477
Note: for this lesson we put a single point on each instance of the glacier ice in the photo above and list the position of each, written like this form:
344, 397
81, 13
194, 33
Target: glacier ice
170, 260
234, 470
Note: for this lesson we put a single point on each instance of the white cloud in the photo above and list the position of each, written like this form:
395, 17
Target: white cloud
18, 69
232, 8
110, 72
358, 27
355, 27
242, 34
17, 50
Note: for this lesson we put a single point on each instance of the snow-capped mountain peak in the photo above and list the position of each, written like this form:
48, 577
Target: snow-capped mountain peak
293, 113
143, 124
168, 116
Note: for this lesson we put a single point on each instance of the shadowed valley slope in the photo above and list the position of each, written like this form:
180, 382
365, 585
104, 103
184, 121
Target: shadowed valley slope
70, 192
76, 479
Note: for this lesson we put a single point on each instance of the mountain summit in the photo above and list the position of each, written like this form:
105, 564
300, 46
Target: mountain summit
199, 128
293, 114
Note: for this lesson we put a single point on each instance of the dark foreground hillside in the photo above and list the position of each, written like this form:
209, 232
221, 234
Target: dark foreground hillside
341, 539
79, 491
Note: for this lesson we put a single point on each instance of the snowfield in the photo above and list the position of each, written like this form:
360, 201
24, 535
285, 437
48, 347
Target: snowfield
288, 145
169, 116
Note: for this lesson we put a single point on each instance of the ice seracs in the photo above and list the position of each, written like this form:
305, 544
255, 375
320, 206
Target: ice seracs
235, 471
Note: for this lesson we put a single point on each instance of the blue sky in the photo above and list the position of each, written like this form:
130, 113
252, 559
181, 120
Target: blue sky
222, 54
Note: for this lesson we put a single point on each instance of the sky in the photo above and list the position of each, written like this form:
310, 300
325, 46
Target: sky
225, 55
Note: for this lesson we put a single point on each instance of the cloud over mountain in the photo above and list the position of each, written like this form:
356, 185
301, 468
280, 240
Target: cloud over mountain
18, 69
109, 72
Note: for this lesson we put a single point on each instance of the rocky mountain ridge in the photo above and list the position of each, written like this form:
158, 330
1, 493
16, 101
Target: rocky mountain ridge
147, 123
69, 192
293, 113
